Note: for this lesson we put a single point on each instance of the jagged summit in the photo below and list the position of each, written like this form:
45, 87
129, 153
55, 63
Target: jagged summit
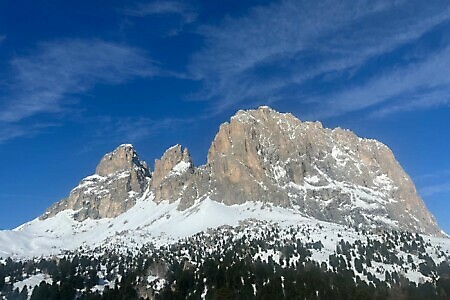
119, 180
172, 173
123, 158
261, 110
174, 160
330, 174
262, 155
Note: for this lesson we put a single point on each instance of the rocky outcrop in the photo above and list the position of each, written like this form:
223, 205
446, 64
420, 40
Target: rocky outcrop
270, 157
176, 179
120, 179
124, 158
173, 172
175, 161
329, 174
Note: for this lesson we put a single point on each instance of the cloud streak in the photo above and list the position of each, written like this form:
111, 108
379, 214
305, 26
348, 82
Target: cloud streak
435, 189
12, 131
129, 130
419, 85
433, 176
49, 80
435, 183
285, 50
136, 129
163, 7
43, 81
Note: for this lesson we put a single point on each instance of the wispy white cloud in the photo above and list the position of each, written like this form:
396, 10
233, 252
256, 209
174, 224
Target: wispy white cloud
419, 85
107, 129
49, 80
136, 129
432, 190
434, 183
434, 175
164, 7
274, 51
44, 80
413, 100
12, 131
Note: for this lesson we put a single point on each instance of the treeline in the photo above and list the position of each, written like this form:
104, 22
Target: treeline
273, 264
258, 280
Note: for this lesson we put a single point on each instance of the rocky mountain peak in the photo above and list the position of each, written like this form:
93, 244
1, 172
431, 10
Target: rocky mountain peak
123, 158
330, 174
174, 162
176, 178
119, 180
261, 114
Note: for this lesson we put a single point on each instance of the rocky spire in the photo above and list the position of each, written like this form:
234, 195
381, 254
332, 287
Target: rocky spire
173, 174
119, 180
175, 160
123, 158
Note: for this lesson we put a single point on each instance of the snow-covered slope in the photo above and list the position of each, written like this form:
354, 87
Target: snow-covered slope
149, 222
145, 222
162, 224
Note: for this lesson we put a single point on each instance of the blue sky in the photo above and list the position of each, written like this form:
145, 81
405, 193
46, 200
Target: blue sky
78, 78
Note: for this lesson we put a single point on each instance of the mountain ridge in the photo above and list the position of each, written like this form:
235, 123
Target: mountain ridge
265, 156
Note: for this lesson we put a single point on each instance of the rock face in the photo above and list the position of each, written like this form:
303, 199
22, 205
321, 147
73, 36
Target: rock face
270, 157
119, 180
123, 159
329, 174
172, 172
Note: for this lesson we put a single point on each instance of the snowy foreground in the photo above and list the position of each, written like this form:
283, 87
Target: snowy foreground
160, 224
146, 222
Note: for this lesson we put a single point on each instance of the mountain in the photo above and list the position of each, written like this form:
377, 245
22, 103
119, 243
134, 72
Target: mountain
269, 157
277, 197
260, 162
120, 178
